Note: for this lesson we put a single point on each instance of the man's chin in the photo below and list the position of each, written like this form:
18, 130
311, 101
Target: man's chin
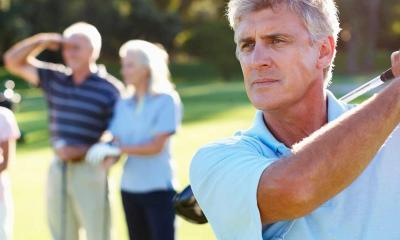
264, 103
74, 67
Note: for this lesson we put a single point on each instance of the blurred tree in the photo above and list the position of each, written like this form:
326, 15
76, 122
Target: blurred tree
207, 35
213, 42
117, 20
390, 29
366, 28
183, 25
4, 5
373, 9
145, 19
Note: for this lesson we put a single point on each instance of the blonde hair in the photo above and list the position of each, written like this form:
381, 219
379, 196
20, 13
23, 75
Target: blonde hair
90, 32
156, 59
319, 16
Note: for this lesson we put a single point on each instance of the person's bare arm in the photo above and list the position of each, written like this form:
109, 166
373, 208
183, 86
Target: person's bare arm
151, 148
7, 148
329, 160
72, 153
21, 58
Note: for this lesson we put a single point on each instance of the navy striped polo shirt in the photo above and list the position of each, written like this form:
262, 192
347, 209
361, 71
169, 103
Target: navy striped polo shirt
78, 114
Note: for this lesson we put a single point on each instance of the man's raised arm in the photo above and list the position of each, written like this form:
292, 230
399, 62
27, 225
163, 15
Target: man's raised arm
21, 58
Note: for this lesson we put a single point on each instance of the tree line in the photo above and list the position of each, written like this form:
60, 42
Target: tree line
197, 28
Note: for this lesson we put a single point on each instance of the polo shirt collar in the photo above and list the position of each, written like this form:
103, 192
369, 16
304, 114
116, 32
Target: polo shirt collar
261, 132
92, 76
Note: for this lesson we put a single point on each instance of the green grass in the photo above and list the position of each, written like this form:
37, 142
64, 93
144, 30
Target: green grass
213, 110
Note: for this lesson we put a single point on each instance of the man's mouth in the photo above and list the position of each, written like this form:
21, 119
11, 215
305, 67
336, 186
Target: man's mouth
264, 82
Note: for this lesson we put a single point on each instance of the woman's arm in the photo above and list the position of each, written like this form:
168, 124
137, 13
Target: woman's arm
150, 148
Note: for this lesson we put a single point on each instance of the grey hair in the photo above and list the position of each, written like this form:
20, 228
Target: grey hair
320, 17
156, 59
90, 32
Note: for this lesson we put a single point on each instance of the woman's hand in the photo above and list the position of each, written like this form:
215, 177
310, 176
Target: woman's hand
100, 151
108, 162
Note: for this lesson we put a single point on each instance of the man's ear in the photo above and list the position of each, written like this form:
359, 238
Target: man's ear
326, 52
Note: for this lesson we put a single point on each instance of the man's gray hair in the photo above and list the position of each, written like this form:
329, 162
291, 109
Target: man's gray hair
90, 32
320, 16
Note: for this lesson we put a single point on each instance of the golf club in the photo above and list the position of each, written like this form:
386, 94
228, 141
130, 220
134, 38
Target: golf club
64, 191
374, 83
106, 209
63, 200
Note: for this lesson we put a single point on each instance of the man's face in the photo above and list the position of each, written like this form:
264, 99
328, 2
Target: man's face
77, 51
278, 59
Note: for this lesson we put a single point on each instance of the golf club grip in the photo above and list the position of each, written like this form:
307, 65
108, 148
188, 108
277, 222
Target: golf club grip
386, 76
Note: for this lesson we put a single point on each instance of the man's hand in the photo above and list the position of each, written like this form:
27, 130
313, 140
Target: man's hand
396, 63
71, 153
62, 153
51, 41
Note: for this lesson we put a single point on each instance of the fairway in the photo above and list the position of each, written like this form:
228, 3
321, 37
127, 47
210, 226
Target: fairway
212, 111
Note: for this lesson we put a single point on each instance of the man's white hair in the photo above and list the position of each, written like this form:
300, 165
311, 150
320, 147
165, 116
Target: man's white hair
319, 16
90, 32
156, 59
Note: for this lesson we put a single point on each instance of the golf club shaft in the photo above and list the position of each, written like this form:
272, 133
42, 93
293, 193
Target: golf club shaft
374, 83
63, 200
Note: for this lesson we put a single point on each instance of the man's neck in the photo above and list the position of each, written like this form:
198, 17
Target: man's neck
301, 120
80, 75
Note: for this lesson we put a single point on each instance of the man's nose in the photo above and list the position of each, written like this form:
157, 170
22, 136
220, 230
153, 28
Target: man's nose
261, 56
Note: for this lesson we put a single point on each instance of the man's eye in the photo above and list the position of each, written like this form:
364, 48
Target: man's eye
277, 41
247, 46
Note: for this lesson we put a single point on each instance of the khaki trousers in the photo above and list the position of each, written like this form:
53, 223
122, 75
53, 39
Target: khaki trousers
81, 203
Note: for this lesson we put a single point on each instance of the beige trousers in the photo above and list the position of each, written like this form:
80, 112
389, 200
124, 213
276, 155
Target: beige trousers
80, 202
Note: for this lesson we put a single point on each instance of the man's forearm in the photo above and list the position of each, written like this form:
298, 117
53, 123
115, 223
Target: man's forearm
22, 51
72, 153
329, 160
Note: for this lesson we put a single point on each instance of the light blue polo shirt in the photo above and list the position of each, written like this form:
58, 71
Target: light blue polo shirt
136, 123
225, 175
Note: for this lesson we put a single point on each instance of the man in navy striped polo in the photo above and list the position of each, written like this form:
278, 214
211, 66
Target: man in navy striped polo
80, 97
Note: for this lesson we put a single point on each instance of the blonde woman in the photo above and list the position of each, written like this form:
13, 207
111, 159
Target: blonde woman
9, 132
143, 124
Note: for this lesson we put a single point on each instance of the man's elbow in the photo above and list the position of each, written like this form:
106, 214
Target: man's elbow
9, 63
303, 201
287, 202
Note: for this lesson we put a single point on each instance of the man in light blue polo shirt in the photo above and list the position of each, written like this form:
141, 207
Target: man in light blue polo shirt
310, 167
